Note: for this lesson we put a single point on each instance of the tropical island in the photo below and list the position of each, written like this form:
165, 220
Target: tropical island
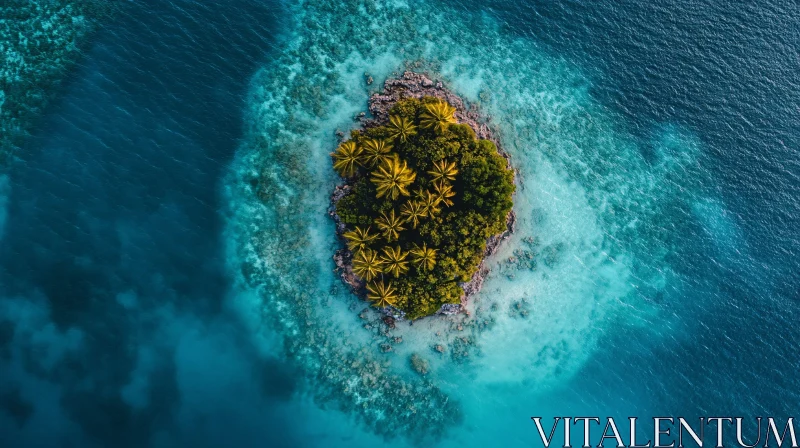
422, 197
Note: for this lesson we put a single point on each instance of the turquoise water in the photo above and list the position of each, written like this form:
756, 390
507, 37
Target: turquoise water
593, 210
39, 43
166, 261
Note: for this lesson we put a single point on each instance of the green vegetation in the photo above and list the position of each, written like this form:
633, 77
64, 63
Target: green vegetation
426, 196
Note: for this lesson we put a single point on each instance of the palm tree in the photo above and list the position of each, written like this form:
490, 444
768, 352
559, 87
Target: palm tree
381, 294
443, 171
444, 192
393, 178
401, 128
347, 158
367, 264
390, 225
394, 261
438, 116
431, 203
359, 238
412, 211
424, 257
376, 151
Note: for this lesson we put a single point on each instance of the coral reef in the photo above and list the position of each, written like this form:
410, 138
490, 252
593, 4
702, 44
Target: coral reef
39, 42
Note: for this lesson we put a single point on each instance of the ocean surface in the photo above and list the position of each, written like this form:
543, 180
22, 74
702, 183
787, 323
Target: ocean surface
165, 253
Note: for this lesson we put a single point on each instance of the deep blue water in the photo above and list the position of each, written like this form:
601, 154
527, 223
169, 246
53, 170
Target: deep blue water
119, 193
724, 71
115, 222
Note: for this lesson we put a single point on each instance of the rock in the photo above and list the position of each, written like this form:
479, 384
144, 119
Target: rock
344, 266
419, 364
339, 192
417, 85
439, 348
389, 321
448, 309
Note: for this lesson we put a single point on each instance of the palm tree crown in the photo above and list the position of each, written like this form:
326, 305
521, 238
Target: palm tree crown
431, 203
424, 257
347, 158
412, 211
394, 261
444, 192
376, 151
381, 294
401, 128
359, 238
443, 171
438, 116
367, 264
390, 224
393, 178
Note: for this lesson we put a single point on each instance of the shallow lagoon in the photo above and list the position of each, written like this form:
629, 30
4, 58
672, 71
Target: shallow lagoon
590, 254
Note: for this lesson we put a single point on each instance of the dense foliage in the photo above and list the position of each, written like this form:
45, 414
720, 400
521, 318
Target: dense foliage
426, 197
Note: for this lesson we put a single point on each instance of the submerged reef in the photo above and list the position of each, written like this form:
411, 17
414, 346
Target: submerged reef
421, 199
597, 221
39, 42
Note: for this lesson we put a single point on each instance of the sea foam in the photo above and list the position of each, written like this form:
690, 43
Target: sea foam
597, 219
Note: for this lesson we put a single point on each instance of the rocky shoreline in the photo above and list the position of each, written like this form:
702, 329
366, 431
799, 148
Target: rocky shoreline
417, 85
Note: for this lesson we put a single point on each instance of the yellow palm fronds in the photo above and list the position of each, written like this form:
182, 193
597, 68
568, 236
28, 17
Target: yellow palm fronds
392, 178
424, 257
394, 261
390, 225
359, 238
376, 151
431, 203
438, 116
347, 158
381, 294
443, 171
444, 192
401, 128
367, 264
412, 211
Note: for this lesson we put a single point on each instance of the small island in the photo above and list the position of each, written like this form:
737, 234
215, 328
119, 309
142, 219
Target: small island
422, 197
